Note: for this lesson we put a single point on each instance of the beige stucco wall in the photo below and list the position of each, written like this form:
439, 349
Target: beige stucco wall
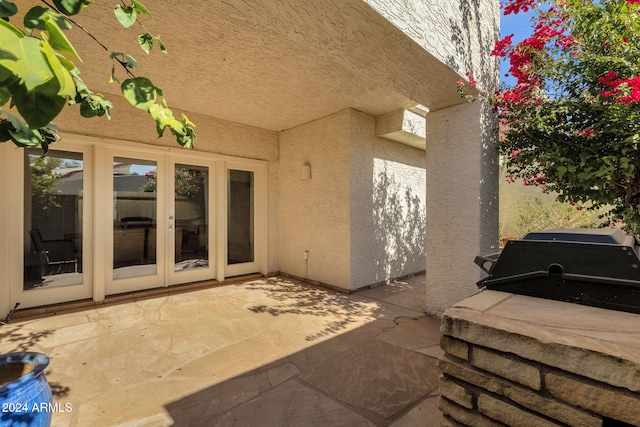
353, 215
462, 176
460, 33
462, 201
387, 206
314, 213
214, 135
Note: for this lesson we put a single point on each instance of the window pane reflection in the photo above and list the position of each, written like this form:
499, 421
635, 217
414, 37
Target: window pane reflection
191, 217
134, 217
240, 217
53, 187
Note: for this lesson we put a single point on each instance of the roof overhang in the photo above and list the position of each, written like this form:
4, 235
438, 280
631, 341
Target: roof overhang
270, 64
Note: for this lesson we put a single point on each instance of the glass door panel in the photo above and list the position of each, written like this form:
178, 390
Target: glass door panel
245, 220
53, 203
135, 207
240, 214
50, 241
191, 202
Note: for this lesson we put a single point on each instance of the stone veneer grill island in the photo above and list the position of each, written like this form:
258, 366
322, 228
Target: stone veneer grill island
523, 361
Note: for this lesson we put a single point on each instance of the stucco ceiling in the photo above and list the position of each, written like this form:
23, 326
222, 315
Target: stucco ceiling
270, 64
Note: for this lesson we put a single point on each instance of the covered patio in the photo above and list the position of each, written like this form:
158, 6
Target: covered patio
259, 351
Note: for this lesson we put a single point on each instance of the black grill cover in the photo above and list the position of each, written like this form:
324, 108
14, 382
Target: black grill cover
597, 267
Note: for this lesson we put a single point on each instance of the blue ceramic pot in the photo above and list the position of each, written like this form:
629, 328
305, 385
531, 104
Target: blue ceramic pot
26, 400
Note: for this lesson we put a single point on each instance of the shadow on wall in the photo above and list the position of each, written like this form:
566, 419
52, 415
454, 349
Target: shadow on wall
400, 225
469, 24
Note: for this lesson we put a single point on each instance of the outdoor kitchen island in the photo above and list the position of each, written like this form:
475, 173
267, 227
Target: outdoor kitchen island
518, 360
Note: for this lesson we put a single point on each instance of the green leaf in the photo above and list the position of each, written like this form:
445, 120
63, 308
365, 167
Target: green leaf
96, 105
71, 7
131, 61
561, 171
187, 136
5, 95
59, 41
10, 27
5, 129
145, 41
36, 16
128, 60
29, 64
69, 65
140, 8
6, 76
62, 75
40, 105
182, 130
20, 132
7, 9
163, 117
113, 77
126, 15
140, 92
91, 104
161, 45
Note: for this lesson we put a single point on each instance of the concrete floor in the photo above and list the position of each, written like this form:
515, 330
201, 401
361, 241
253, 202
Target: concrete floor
265, 352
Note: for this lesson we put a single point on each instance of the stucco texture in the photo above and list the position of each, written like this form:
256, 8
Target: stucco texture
462, 199
314, 213
361, 215
387, 206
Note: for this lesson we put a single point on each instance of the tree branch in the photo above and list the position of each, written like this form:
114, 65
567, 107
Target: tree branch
121, 62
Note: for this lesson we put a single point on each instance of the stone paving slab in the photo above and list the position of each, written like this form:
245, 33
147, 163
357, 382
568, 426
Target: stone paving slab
268, 352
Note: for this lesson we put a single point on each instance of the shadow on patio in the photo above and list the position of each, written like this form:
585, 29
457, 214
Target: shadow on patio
269, 352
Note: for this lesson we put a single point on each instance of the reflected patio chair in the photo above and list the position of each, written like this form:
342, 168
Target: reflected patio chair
60, 252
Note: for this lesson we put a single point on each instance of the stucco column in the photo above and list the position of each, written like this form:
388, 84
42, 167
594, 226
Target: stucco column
462, 200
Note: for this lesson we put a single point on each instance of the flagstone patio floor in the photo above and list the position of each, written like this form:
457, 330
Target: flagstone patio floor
261, 352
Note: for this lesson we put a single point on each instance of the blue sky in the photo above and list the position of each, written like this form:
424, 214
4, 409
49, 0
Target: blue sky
520, 26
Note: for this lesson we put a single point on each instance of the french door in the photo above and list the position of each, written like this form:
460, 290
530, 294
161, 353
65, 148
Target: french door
100, 219
50, 232
158, 230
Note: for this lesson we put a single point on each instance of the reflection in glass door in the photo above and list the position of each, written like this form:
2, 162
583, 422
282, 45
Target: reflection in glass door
134, 218
191, 222
53, 202
240, 215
